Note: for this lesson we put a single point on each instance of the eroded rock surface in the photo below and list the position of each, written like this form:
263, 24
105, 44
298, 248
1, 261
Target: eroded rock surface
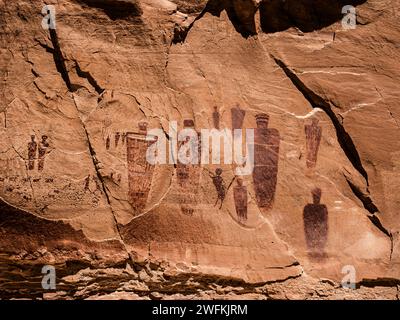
76, 103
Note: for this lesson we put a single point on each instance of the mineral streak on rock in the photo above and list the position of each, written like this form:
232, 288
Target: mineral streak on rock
76, 191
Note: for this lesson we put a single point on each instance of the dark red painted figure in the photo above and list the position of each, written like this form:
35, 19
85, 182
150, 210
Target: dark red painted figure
140, 171
117, 137
216, 118
266, 158
315, 216
237, 116
313, 140
108, 142
219, 186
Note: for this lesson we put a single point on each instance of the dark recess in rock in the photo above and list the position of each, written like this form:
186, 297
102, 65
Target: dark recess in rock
307, 15
275, 15
115, 9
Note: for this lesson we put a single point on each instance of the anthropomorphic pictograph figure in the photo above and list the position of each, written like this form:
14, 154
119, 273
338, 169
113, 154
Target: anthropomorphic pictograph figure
219, 184
266, 158
140, 171
315, 216
216, 118
117, 137
32, 150
313, 140
108, 143
240, 198
43, 148
188, 174
237, 117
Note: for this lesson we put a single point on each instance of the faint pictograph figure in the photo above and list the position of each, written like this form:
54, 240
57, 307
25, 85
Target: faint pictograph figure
313, 140
237, 117
140, 172
108, 143
240, 198
182, 173
315, 216
117, 137
266, 157
106, 131
188, 176
43, 149
32, 151
216, 118
123, 138
220, 187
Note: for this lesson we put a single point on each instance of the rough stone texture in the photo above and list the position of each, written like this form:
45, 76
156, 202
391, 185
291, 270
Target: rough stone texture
113, 64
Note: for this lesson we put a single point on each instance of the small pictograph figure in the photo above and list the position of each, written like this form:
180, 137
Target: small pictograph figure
219, 186
43, 147
32, 149
108, 142
117, 137
216, 118
240, 197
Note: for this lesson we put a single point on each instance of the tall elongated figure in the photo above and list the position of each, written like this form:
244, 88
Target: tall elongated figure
140, 171
266, 157
32, 150
313, 140
43, 146
315, 216
216, 118
188, 174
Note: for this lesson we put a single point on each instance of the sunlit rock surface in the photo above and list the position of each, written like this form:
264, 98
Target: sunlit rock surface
76, 103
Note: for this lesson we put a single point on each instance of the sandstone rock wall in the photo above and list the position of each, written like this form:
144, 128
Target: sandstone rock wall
74, 105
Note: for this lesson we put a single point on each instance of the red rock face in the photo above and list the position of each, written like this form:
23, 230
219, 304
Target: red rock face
76, 191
